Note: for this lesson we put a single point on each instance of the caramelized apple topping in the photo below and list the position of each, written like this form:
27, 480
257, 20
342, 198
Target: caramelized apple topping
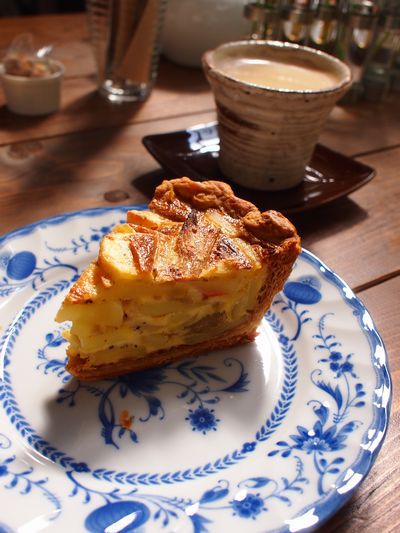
143, 247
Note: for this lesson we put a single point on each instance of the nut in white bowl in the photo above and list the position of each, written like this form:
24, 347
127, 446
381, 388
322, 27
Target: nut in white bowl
34, 95
269, 121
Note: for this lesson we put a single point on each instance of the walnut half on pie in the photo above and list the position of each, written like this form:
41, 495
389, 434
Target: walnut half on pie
196, 272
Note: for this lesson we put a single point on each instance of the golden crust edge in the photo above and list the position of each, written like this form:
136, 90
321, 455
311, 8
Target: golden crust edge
173, 197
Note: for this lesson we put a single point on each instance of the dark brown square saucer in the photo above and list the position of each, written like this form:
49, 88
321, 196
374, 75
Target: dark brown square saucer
194, 153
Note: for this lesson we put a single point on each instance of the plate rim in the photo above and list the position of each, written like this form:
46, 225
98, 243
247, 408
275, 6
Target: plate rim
334, 501
325, 507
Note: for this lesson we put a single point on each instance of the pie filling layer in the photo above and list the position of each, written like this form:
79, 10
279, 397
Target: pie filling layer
150, 317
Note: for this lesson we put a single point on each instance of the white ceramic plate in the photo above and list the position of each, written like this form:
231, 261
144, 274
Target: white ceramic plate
275, 435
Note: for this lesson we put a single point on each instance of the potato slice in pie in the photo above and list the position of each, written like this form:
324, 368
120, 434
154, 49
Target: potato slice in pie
196, 272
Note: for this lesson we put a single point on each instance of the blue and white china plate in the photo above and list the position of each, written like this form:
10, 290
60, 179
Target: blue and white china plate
272, 436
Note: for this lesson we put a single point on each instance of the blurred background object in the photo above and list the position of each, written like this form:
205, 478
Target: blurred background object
356, 37
325, 25
30, 79
125, 36
194, 26
298, 16
265, 19
12, 8
365, 34
380, 72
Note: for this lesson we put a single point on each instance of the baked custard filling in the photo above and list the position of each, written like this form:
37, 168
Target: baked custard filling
151, 318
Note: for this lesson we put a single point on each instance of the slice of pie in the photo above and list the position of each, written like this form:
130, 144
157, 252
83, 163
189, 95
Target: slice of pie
196, 272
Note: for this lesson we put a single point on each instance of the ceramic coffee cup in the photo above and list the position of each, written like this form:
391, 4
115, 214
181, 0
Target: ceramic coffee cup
268, 133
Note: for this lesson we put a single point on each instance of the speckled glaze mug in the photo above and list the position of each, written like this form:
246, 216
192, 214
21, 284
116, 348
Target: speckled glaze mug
267, 135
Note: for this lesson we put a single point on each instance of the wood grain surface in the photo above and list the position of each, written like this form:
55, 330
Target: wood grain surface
179, 92
91, 154
359, 236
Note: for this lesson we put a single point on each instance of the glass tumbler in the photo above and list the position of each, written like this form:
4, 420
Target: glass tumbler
125, 36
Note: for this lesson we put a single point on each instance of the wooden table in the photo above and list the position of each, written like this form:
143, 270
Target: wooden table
72, 159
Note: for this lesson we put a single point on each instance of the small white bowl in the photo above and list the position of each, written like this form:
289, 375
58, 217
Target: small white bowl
34, 96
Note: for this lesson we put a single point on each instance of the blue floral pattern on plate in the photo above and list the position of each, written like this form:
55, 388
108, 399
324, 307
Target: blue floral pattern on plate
198, 385
286, 427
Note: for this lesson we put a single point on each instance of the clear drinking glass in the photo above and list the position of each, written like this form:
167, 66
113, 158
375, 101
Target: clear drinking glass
356, 37
265, 18
324, 28
125, 36
298, 16
377, 78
